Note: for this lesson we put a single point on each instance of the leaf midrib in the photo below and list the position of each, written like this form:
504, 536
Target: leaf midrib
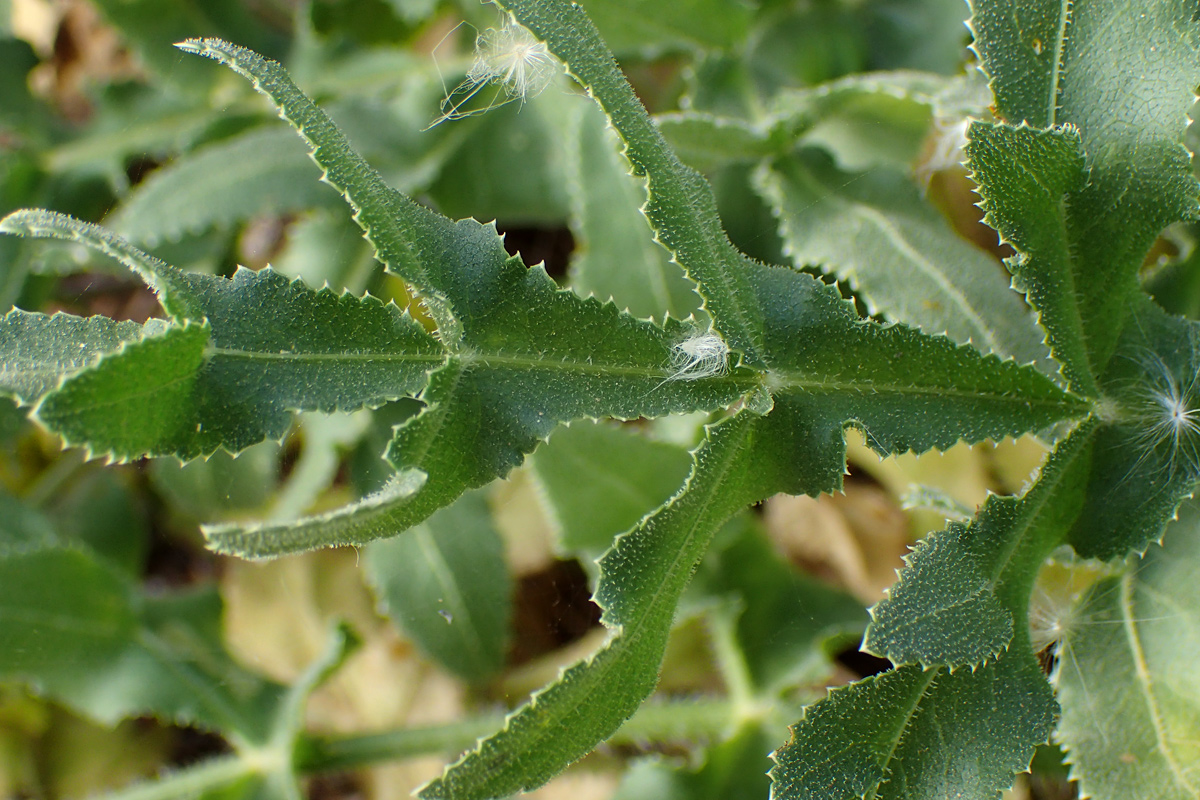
1145, 683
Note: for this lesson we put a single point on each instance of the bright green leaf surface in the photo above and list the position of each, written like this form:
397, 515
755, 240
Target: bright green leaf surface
598, 480
910, 734
1126, 676
615, 253
77, 630
38, 351
965, 590
263, 171
874, 231
446, 585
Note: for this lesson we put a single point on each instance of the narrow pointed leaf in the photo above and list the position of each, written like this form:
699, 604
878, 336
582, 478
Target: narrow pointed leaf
1126, 676
681, 206
911, 734
491, 405
965, 590
435, 255
37, 351
169, 283
874, 231
275, 347
642, 577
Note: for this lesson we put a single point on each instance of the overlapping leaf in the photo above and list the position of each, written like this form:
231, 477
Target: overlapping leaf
744, 459
251, 350
962, 599
1122, 74
524, 355
446, 585
913, 733
79, 631
874, 231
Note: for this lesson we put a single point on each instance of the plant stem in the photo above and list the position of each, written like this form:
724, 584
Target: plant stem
677, 719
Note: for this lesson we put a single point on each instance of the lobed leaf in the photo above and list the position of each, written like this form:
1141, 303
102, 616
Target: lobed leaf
742, 460
867, 381
1030, 208
1123, 76
38, 351
963, 597
913, 733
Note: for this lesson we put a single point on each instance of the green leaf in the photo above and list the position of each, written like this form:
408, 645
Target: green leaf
965, 590
1126, 675
78, 631
1147, 460
874, 231
732, 770
37, 351
615, 254
141, 400
645, 26
446, 585
510, 167
175, 292
790, 624
705, 141
493, 404
867, 380
681, 207
1030, 208
429, 251
598, 480
912, 733
641, 580
1124, 76
1020, 48
262, 171
268, 347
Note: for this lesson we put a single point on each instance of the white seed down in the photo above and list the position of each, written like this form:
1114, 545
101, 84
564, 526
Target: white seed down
701, 356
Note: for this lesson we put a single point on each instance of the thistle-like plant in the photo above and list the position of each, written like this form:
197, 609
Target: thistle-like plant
1080, 167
